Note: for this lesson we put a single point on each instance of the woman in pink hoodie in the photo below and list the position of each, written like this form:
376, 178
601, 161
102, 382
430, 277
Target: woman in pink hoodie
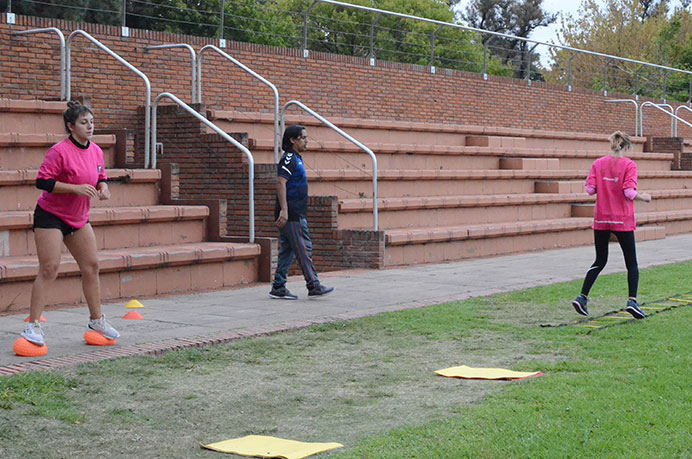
613, 178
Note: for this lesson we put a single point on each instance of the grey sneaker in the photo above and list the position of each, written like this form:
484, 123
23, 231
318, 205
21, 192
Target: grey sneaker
579, 304
282, 293
34, 333
320, 290
102, 326
633, 308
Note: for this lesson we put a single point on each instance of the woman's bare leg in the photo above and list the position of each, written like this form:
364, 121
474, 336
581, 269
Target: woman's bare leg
82, 246
48, 247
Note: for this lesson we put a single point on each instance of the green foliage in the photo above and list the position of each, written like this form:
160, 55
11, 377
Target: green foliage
634, 29
45, 393
369, 384
280, 23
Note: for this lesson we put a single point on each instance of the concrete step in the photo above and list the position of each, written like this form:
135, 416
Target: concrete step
428, 245
560, 186
137, 272
117, 227
644, 161
26, 151
455, 210
406, 183
32, 116
530, 164
128, 187
342, 154
260, 126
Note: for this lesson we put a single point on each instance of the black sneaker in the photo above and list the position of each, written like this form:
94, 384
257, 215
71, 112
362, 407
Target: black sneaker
633, 308
320, 290
579, 304
282, 293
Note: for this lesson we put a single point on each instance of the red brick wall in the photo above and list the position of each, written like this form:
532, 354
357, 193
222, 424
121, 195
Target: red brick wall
207, 167
666, 145
331, 84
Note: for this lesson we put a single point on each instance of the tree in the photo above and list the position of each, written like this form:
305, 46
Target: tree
653, 8
349, 31
511, 17
617, 29
98, 11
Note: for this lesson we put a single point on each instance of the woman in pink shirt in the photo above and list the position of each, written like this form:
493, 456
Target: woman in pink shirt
71, 174
613, 179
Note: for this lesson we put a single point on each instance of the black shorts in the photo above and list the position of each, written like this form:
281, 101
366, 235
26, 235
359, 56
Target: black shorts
43, 219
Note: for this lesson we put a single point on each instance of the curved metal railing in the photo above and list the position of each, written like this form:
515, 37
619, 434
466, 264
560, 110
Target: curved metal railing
609, 57
61, 37
347, 137
193, 56
240, 146
147, 102
675, 131
670, 113
636, 112
255, 75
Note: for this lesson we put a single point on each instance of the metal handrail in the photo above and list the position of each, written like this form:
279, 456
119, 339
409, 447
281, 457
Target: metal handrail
147, 102
193, 55
218, 130
658, 107
672, 120
636, 112
254, 74
62, 52
472, 29
675, 133
347, 137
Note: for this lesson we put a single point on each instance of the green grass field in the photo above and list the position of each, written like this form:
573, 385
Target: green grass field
621, 391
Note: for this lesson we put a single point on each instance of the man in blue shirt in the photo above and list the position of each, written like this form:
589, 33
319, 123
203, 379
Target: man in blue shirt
290, 213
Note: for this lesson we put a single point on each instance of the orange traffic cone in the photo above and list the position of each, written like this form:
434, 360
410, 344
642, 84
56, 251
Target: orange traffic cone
133, 315
134, 304
42, 319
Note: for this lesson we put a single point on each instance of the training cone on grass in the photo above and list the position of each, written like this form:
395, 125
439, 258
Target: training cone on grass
133, 315
42, 319
132, 304
93, 338
24, 348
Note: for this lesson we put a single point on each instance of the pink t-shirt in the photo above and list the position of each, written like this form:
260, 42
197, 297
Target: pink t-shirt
611, 176
67, 163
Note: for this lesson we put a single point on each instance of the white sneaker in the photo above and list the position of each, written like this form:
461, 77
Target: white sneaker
34, 333
102, 326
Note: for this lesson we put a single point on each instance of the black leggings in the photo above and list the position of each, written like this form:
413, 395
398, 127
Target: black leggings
626, 240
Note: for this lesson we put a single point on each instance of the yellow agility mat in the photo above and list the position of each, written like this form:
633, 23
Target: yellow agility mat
484, 373
262, 446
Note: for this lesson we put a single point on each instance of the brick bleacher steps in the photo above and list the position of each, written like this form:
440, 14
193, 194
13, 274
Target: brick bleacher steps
399, 215
136, 272
430, 245
403, 183
117, 227
336, 154
404, 212
22, 151
31, 116
128, 186
260, 126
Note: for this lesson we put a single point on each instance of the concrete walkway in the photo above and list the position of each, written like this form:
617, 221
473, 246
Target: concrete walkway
220, 316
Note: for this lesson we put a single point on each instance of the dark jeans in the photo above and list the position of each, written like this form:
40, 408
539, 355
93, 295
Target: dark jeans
626, 240
295, 242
